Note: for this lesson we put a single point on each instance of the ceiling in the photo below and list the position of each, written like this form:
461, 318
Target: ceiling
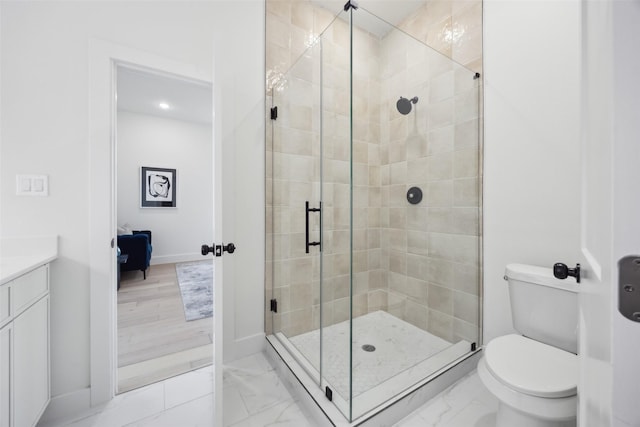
142, 91
391, 11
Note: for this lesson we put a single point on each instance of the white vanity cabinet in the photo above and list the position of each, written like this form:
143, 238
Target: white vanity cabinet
24, 348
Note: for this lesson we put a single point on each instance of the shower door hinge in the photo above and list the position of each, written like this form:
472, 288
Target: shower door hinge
328, 393
274, 113
350, 4
274, 305
473, 346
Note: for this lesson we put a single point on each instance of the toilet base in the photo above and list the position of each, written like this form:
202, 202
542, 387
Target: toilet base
509, 417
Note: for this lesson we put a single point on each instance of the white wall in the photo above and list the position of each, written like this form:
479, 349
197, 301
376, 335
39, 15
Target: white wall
43, 98
145, 140
531, 165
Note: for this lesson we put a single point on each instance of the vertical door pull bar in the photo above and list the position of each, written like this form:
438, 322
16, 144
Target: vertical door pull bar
307, 210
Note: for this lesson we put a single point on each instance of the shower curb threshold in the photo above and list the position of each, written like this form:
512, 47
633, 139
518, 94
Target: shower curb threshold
324, 413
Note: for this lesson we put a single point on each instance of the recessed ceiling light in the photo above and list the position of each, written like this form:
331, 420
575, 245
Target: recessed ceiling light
163, 105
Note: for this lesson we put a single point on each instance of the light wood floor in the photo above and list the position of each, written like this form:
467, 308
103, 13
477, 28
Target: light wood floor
154, 340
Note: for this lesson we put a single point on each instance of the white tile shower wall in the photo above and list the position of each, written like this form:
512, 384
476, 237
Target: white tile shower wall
452, 27
431, 249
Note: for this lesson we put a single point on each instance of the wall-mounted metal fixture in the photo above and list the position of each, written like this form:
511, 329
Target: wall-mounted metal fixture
561, 271
350, 4
404, 105
414, 195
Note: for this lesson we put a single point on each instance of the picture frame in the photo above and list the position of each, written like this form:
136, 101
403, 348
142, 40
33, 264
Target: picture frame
158, 187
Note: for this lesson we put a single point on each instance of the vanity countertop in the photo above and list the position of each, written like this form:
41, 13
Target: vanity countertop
21, 255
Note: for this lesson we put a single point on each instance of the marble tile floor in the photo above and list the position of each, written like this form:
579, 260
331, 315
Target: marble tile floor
160, 368
254, 396
184, 400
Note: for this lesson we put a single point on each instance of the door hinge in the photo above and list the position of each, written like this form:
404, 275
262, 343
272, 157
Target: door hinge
629, 287
274, 305
328, 393
274, 113
473, 346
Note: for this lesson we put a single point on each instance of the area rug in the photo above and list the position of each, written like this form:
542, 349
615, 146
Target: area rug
195, 280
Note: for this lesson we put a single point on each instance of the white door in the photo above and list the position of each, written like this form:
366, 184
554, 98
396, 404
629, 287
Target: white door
609, 343
626, 204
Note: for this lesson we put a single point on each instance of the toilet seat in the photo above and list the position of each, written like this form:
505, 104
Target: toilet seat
531, 367
559, 409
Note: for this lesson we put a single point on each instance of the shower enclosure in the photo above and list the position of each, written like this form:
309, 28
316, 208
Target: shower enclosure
373, 209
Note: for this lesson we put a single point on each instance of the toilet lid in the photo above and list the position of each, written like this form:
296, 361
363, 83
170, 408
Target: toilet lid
532, 367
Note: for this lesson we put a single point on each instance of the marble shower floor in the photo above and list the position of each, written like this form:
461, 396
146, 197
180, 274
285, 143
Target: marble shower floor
403, 355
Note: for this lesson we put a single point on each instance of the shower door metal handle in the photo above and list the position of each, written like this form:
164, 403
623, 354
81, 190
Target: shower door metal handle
307, 210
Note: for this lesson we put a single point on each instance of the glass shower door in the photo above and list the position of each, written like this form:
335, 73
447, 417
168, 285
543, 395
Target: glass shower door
309, 212
373, 212
336, 301
293, 209
415, 224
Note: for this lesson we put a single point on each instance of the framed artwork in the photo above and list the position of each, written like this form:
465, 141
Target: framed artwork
157, 187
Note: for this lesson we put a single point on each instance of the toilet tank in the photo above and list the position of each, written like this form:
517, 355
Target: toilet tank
544, 308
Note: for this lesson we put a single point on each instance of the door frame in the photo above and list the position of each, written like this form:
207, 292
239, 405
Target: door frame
104, 57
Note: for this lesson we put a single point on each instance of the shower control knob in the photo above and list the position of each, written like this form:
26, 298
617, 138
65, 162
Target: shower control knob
414, 195
561, 271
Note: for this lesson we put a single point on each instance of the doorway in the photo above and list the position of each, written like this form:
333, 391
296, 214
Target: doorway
164, 198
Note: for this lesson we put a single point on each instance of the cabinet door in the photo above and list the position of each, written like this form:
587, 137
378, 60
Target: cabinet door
31, 363
5, 376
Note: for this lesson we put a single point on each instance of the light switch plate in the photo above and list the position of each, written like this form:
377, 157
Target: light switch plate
32, 185
24, 184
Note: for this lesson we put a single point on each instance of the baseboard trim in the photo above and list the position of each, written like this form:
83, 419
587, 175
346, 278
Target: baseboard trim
167, 259
244, 347
66, 407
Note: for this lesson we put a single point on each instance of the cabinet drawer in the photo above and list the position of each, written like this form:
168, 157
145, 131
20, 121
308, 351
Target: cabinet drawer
26, 289
5, 301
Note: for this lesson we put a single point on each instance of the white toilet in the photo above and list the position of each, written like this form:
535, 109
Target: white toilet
534, 375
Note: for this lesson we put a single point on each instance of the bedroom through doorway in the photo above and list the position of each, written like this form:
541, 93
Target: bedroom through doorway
164, 197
